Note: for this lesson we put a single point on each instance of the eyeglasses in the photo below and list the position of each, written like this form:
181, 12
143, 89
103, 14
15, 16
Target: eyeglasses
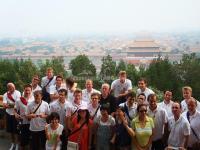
141, 111
94, 98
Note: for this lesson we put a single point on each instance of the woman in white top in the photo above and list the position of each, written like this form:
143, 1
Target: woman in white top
53, 132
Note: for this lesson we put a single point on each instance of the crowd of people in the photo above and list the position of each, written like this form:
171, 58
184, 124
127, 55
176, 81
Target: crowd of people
57, 115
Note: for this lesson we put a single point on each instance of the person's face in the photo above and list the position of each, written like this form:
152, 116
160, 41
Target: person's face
82, 113
38, 97
141, 99
168, 96
54, 121
11, 88
49, 73
89, 85
35, 81
187, 94
62, 96
142, 111
77, 96
27, 91
104, 112
176, 110
59, 81
119, 113
95, 99
152, 103
122, 78
191, 105
105, 90
142, 85
130, 100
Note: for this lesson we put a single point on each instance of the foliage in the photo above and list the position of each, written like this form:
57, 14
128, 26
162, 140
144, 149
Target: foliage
57, 63
188, 71
121, 67
83, 69
108, 68
82, 66
19, 72
160, 73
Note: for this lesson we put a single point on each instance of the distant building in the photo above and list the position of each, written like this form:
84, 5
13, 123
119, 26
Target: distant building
146, 48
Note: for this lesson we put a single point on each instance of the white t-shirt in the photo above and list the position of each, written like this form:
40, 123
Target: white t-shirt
167, 107
54, 133
146, 92
22, 108
54, 90
119, 88
38, 88
44, 82
15, 95
159, 117
178, 130
73, 108
70, 96
60, 109
92, 111
132, 110
195, 124
86, 96
185, 108
38, 124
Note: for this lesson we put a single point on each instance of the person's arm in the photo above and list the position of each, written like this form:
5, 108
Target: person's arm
48, 136
150, 139
46, 113
29, 114
137, 145
5, 103
166, 134
186, 137
129, 130
56, 142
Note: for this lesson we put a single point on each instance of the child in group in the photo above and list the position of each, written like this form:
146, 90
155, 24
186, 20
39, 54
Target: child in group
53, 132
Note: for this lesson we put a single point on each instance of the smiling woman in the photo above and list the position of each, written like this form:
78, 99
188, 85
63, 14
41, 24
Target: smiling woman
143, 127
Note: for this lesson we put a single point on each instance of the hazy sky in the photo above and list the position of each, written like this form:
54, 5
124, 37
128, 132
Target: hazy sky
40, 17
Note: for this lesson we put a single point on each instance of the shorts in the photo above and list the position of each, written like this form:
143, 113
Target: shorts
11, 124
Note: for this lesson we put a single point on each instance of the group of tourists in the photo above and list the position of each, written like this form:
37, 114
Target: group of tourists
56, 115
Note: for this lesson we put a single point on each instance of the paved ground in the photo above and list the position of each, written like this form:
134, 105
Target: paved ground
4, 140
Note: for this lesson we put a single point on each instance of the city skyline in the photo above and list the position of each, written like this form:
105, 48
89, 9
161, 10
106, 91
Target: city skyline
47, 17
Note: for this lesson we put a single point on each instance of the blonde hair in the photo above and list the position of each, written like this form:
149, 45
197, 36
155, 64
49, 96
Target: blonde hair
187, 88
122, 73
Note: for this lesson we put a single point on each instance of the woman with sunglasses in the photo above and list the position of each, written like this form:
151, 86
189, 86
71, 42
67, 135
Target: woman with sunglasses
143, 127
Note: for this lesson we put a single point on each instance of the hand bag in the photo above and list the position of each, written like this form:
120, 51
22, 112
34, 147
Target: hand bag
72, 146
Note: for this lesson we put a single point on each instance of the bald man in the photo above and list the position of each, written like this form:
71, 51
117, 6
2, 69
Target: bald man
193, 117
9, 100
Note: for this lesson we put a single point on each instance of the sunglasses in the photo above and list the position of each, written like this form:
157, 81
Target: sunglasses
142, 111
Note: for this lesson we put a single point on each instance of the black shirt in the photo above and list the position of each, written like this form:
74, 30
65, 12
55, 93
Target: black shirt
111, 100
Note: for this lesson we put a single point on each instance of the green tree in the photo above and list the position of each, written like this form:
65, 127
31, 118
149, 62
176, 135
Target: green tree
132, 73
108, 68
121, 67
160, 74
57, 63
20, 72
82, 66
188, 71
83, 69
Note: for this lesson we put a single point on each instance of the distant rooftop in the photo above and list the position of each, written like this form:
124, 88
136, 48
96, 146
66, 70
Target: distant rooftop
143, 43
